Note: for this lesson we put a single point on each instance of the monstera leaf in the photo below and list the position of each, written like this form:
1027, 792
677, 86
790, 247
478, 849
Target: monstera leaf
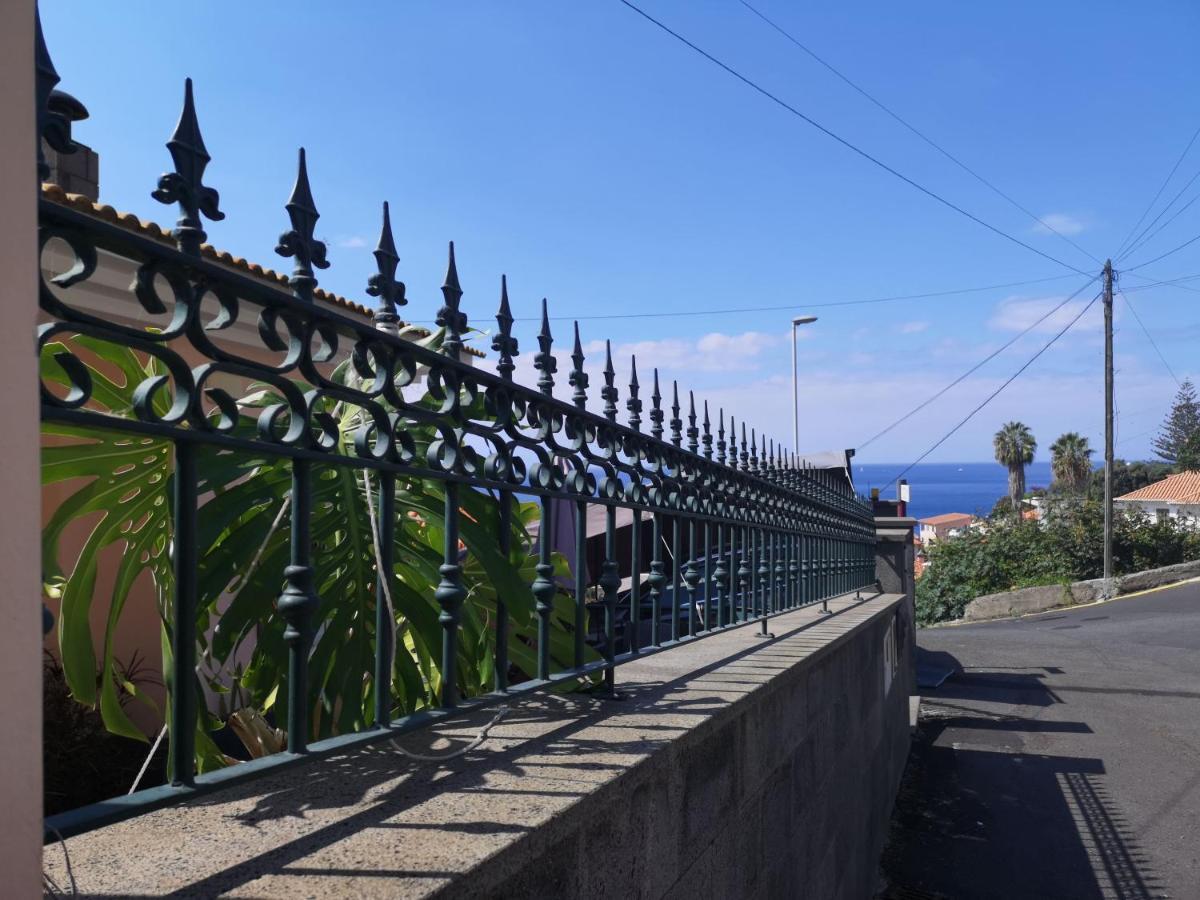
123, 479
124, 482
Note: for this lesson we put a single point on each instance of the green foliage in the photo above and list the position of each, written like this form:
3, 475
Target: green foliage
1014, 446
1181, 424
1188, 457
123, 483
1071, 462
1067, 546
1128, 477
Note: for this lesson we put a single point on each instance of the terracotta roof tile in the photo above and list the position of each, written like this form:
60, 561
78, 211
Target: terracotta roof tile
1183, 487
948, 519
152, 229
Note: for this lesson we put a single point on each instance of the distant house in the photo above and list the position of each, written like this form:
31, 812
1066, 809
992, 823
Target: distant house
938, 528
1175, 497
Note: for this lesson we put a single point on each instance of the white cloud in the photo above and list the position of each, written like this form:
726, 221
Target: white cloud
713, 352
1019, 313
353, 242
1063, 223
913, 327
844, 399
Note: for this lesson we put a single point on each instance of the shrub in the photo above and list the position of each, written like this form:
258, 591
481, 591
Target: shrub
1066, 546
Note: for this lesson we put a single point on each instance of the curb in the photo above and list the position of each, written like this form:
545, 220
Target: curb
955, 623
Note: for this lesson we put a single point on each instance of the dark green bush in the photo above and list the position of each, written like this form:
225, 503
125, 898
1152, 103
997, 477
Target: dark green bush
1067, 546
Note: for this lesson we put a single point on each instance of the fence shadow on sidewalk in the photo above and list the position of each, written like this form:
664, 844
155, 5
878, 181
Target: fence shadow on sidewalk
979, 816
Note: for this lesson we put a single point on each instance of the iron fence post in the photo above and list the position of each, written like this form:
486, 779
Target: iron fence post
183, 644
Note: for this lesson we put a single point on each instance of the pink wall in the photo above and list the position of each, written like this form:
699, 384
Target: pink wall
20, 605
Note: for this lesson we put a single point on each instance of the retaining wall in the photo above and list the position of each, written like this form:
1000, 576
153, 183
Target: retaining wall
1038, 599
736, 766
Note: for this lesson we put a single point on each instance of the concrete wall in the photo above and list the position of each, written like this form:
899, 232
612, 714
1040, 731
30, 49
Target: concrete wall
789, 795
1039, 599
20, 604
733, 767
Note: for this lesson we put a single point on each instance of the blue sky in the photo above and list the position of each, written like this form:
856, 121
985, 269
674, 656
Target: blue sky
603, 165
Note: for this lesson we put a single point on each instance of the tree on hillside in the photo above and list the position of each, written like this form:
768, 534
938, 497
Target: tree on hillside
1129, 476
1182, 423
1071, 462
1188, 457
1015, 445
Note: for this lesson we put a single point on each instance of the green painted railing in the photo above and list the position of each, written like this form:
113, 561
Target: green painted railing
726, 530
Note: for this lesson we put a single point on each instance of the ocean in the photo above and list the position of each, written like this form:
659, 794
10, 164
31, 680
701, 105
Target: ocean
937, 488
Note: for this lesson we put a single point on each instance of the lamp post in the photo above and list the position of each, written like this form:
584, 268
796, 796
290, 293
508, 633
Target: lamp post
798, 320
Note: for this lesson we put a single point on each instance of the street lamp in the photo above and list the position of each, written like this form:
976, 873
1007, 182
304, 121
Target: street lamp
798, 320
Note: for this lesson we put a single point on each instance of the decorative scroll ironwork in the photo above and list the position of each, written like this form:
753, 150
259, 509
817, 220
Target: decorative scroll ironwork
771, 519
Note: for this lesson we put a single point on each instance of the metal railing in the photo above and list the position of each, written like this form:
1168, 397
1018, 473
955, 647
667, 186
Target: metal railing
752, 532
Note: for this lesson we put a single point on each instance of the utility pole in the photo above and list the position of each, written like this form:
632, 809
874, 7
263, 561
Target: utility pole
1108, 423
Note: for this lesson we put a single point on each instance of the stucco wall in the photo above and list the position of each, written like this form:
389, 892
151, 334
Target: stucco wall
20, 605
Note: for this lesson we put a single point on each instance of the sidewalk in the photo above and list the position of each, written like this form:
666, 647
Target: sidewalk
1061, 761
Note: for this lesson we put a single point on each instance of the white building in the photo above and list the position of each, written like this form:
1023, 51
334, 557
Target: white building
1175, 497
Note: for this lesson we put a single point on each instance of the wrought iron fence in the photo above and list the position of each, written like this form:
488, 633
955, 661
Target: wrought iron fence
740, 530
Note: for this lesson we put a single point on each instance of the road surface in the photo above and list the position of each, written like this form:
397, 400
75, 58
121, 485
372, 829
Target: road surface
1061, 761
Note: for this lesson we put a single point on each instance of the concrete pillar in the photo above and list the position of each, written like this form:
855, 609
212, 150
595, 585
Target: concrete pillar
20, 596
895, 554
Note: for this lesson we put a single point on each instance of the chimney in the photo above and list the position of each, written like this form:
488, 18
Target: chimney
78, 172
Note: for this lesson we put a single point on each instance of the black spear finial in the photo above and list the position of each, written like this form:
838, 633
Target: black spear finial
633, 404
185, 185
745, 454
450, 317
383, 283
676, 422
656, 412
55, 109
693, 433
608, 393
753, 451
770, 460
544, 360
721, 435
578, 378
504, 343
707, 438
299, 241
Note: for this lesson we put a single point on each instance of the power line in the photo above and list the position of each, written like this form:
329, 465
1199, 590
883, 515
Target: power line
845, 143
1153, 343
975, 368
1169, 282
1173, 250
992, 396
1141, 241
928, 140
792, 306
1134, 437
1162, 187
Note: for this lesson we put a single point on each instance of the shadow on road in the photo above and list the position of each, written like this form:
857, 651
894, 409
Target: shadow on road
979, 816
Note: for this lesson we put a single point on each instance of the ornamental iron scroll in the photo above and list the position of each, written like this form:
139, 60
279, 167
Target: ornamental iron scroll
748, 537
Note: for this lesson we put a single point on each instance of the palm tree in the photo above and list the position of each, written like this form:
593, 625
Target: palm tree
1070, 461
1014, 445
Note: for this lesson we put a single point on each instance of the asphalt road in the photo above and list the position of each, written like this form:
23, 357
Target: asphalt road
1062, 761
